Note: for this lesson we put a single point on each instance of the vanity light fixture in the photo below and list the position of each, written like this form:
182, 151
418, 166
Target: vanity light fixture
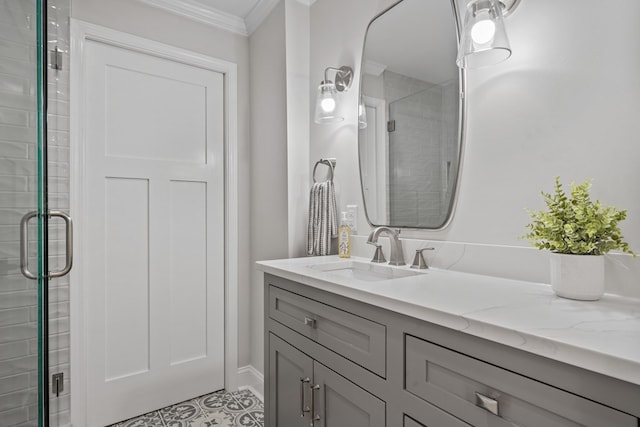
484, 39
327, 110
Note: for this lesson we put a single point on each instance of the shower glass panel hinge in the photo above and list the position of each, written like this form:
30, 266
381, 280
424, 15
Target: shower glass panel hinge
57, 383
391, 126
55, 59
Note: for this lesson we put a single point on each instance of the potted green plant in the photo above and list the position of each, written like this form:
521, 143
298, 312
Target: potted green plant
578, 232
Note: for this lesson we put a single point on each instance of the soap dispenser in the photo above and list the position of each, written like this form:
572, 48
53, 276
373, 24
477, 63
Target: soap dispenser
344, 237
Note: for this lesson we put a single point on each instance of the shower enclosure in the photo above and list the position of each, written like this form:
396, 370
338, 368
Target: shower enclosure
423, 150
35, 233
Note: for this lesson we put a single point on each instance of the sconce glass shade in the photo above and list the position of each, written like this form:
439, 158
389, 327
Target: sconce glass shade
484, 39
327, 103
362, 115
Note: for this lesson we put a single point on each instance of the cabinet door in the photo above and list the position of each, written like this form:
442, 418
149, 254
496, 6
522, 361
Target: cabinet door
290, 375
341, 403
410, 422
432, 417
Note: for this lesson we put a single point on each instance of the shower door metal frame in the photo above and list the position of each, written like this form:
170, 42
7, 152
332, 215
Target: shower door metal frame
43, 321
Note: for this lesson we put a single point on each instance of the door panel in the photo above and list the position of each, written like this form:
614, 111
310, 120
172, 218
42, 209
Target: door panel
127, 298
154, 197
130, 93
188, 246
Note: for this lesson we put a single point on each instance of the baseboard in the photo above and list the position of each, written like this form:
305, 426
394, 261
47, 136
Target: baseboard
250, 378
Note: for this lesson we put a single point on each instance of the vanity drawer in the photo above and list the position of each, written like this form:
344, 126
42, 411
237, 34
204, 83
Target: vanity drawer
356, 338
461, 385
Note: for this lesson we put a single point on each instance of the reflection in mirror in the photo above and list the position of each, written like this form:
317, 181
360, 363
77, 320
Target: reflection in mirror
411, 90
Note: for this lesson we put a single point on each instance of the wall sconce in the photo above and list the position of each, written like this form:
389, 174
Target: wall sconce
327, 97
484, 39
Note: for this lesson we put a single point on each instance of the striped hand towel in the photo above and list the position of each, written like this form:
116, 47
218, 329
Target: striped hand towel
323, 218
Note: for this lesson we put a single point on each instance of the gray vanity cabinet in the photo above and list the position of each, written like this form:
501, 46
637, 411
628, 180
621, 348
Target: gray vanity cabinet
351, 364
301, 389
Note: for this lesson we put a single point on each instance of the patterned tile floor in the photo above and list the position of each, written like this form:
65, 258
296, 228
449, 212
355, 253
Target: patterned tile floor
220, 409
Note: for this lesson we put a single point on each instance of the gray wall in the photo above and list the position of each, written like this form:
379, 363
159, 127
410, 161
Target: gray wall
564, 104
269, 207
336, 39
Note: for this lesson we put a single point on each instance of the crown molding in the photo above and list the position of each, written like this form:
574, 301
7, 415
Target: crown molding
216, 18
373, 68
207, 15
258, 14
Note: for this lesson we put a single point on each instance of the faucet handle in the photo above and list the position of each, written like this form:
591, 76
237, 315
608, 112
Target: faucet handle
418, 260
378, 256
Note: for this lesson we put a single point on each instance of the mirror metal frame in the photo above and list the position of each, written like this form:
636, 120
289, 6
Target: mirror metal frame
462, 113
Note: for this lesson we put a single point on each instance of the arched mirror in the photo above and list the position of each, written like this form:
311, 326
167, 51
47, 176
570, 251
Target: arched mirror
411, 115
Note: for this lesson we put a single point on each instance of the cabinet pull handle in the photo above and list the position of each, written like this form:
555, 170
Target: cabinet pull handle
487, 403
310, 322
303, 409
314, 417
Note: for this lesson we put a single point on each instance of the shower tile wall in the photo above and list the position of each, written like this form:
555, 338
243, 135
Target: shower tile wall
420, 183
18, 295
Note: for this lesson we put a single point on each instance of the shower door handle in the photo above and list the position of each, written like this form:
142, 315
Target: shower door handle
69, 244
24, 244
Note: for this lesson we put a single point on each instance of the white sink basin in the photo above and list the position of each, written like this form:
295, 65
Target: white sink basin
366, 271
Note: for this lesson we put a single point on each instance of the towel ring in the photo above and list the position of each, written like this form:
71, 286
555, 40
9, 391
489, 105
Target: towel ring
328, 162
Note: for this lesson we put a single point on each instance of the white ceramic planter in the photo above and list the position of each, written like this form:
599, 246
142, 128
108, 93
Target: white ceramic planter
578, 277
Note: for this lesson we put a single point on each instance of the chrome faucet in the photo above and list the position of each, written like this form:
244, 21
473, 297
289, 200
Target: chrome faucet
396, 257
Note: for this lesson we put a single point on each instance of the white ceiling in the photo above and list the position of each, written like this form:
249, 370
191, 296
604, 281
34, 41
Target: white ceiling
238, 16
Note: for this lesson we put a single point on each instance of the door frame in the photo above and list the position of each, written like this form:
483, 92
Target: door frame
380, 151
82, 32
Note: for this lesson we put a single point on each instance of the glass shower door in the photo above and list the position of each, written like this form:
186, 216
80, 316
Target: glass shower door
24, 215
21, 184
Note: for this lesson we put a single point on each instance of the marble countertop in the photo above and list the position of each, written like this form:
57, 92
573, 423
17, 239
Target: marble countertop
602, 336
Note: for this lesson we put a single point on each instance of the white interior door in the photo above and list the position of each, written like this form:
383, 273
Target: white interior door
154, 199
